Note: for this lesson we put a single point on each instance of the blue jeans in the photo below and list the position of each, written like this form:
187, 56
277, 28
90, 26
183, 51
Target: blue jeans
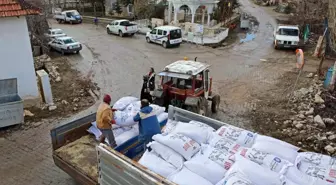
107, 133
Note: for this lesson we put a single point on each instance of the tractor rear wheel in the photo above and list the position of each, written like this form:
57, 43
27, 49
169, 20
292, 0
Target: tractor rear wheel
201, 107
215, 103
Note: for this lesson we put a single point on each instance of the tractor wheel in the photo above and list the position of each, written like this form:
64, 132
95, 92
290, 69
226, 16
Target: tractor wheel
201, 108
215, 103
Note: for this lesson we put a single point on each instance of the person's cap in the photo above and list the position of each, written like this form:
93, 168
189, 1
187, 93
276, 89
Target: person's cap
107, 99
144, 102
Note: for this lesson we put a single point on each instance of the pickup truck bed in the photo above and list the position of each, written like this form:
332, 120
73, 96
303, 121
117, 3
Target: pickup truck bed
74, 150
81, 154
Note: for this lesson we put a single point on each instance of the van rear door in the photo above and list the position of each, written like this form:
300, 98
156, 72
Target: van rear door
175, 36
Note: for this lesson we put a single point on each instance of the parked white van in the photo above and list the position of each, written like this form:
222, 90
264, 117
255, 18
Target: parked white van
165, 35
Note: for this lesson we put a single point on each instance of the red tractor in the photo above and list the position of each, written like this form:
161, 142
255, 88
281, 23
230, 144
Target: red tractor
186, 84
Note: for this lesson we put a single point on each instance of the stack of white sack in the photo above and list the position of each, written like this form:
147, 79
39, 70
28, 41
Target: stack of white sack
240, 136
125, 117
266, 160
229, 156
318, 166
276, 147
258, 175
125, 128
121, 134
197, 131
168, 155
152, 161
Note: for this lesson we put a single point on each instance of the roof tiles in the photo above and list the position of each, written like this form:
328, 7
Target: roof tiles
12, 8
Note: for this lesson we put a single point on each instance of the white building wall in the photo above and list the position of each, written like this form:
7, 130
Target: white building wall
16, 59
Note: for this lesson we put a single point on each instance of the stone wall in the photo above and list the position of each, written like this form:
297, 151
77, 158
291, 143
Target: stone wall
332, 23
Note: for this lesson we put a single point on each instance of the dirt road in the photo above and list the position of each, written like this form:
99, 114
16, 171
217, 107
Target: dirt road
117, 65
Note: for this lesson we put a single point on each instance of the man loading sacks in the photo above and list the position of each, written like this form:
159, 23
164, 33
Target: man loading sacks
105, 119
148, 122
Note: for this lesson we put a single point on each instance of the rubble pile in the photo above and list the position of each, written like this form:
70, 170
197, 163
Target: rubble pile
287, 7
313, 124
265, 2
40, 61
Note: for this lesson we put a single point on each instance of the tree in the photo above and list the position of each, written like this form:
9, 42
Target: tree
117, 7
225, 9
126, 2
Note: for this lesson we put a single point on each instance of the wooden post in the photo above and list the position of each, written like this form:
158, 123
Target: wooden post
319, 72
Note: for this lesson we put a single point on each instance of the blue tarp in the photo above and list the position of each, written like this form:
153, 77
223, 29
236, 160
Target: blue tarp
249, 37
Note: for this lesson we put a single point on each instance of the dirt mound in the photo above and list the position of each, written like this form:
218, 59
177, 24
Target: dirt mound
304, 118
71, 91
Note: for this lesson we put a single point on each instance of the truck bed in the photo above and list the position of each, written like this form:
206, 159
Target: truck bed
81, 154
75, 152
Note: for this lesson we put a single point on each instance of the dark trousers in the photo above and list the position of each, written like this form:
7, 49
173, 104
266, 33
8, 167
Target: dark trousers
107, 133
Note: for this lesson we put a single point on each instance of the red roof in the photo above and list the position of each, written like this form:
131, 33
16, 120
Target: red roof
12, 8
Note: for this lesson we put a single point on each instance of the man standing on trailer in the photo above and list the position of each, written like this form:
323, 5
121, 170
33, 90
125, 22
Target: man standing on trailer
148, 122
105, 119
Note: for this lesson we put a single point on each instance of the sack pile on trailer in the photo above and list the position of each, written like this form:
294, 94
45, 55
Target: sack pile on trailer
194, 153
125, 128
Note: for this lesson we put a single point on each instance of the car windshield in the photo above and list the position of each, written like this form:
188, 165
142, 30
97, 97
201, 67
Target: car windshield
175, 34
68, 41
57, 32
125, 23
289, 32
74, 13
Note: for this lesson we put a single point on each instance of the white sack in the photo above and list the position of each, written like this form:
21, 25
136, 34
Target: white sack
198, 133
221, 157
180, 143
157, 109
225, 144
123, 102
154, 163
122, 138
124, 118
257, 174
235, 177
95, 131
241, 136
206, 168
169, 127
312, 158
299, 177
186, 177
163, 116
324, 173
120, 130
278, 149
134, 107
265, 159
202, 125
262, 138
167, 154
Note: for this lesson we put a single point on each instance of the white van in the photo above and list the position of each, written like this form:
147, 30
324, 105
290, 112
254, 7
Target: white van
286, 36
165, 35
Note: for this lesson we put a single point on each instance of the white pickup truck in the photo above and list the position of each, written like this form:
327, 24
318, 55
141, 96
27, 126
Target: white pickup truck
286, 36
69, 16
121, 27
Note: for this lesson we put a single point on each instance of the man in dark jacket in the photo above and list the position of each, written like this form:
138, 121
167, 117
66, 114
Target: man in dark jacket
148, 122
151, 81
148, 86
